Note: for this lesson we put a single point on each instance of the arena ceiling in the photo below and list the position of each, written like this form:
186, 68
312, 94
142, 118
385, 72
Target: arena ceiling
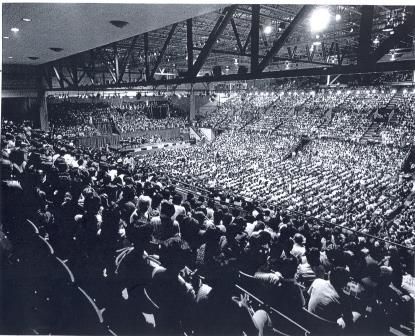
258, 41
75, 28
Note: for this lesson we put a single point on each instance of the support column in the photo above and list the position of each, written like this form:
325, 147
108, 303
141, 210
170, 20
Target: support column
43, 112
328, 80
192, 110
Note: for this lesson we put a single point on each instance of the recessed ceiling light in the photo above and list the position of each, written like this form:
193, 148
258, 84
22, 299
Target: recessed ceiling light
15, 30
55, 49
33, 58
26, 19
118, 23
10, 57
5, 37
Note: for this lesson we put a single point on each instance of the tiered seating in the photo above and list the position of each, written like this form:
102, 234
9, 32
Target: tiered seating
246, 256
77, 119
401, 127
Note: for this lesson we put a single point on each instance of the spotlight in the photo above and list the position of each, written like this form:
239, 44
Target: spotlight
319, 19
15, 30
267, 29
338, 17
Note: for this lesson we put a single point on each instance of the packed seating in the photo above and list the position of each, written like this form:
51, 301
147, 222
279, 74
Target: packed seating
75, 119
80, 119
400, 128
130, 121
254, 233
336, 113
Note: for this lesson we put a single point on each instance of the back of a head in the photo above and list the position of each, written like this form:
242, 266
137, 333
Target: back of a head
167, 209
313, 256
288, 267
156, 200
299, 238
144, 203
339, 277
175, 252
140, 233
177, 199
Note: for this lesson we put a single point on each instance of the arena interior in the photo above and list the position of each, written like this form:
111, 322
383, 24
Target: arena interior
207, 169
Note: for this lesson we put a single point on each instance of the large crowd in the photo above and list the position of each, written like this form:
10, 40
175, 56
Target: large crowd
80, 119
255, 233
337, 113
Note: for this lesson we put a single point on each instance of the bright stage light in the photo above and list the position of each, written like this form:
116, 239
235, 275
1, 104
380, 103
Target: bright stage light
268, 30
319, 19
338, 17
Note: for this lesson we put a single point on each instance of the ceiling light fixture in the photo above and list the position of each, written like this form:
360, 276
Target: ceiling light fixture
338, 17
26, 19
55, 49
319, 19
33, 58
5, 37
119, 23
10, 57
267, 29
15, 30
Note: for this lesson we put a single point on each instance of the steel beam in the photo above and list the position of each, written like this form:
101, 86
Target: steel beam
212, 40
116, 65
278, 44
248, 38
340, 55
235, 53
107, 64
147, 67
235, 31
47, 75
125, 60
365, 38
295, 73
163, 50
400, 32
189, 45
255, 37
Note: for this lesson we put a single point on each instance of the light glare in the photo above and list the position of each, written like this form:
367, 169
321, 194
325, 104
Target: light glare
319, 20
267, 30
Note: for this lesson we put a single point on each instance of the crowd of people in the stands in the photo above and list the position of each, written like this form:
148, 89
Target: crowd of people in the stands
130, 121
338, 113
75, 119
287, 205
72, 118
336, 180
160, 260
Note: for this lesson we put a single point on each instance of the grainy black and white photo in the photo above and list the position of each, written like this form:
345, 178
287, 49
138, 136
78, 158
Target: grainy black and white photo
190, 169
